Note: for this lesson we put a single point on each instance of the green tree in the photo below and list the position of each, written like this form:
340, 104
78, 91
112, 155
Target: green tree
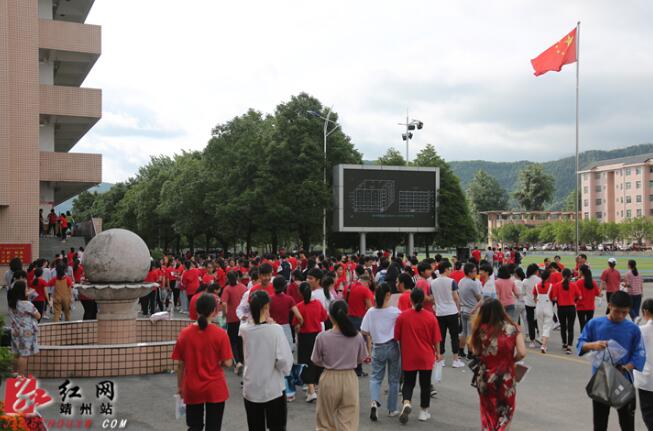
485, 194
565, 232
547, 232
392, 157
535, 188
456, 226
530, 235
570, 202
638, 229
511, 233
591, 232
82, 205
611, 231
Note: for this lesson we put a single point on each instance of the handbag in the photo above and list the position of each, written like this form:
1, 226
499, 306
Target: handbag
610, 386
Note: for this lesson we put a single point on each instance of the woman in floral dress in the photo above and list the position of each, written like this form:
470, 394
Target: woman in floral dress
498, 344
24, 325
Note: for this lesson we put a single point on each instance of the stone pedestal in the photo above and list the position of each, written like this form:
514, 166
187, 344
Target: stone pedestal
116, 321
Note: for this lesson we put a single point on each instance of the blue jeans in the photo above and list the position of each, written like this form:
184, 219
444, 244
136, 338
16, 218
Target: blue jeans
386, 355
634, 310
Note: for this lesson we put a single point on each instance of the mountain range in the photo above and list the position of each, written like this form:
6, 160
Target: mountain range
562, 170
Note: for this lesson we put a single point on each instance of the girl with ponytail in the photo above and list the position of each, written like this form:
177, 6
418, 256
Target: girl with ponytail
339, 351
202, 349
589, 290
307, 331
566, 293
379, 327
418, 334
269, 360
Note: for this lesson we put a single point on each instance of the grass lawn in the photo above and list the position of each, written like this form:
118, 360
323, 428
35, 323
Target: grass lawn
598, 263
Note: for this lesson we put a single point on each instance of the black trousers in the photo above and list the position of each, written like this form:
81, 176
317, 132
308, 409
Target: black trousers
607, 297
271, 415
532, 323
567, 316
410, 378
40, 307
601, 414
204, 416
584, 316
305, 343
450, 323
148, 302
175, 292
357, 321
236, 341
646, 402
90, 309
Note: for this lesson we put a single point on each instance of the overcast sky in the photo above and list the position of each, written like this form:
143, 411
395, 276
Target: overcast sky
171, 70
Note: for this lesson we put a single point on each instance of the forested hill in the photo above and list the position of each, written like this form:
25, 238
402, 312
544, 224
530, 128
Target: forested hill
562, 169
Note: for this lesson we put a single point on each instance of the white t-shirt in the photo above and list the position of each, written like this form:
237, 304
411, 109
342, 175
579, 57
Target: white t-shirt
644, 378
527, 289
442, 289
320, 296
380, 323
488, 290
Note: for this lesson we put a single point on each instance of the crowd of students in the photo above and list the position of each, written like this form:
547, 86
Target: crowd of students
297, 321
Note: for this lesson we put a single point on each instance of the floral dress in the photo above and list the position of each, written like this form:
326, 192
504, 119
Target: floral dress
24, 329
495, 380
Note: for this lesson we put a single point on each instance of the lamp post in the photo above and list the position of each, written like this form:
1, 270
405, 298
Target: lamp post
408, 135
327, 133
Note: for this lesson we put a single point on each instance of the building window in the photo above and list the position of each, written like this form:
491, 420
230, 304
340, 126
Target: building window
638, 184
598, 201
628, 186
639, 213
650, 212
599, 215
586, 189
629, 213
650, 198
627, 171
638, 171
622, 200
597, 189
629, 199
586, 202
638, 198
622, 213
597, 176
650, 183
587, 215
650, 169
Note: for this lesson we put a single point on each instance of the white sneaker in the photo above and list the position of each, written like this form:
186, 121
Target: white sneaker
458, 363
311, 397
442, 363
405, 411
532, 345
393, 414
424, 415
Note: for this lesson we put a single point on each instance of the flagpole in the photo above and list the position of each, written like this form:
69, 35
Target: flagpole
577, 160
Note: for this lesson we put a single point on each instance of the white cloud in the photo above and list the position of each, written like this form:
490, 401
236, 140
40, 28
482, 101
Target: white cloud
170, 71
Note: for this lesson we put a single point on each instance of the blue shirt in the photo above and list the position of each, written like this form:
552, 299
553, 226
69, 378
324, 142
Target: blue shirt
626, 333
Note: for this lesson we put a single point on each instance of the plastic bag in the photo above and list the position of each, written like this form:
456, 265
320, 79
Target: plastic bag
161, 315
613, 352
610, 386
436, 376
180, 407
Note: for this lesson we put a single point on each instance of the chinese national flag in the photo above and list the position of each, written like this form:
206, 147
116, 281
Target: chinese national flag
561, 53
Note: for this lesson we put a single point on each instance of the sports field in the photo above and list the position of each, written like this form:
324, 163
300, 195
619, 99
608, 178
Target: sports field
597, 262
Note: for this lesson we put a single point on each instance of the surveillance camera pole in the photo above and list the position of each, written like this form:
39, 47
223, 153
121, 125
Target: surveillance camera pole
416, 124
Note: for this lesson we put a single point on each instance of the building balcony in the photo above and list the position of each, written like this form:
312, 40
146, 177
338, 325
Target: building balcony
71, 110
71, 48
71, 10
69, 173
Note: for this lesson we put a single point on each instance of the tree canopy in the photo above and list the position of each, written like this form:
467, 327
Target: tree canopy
535, 188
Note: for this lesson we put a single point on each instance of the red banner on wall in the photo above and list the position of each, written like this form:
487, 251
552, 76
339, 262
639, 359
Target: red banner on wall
9, 251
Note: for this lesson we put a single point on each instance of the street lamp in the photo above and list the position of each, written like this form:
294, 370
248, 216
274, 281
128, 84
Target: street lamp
410, 126
327, 133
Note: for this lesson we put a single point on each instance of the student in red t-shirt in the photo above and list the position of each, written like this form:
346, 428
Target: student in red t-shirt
148, 302
418, 334
264, 280
314, 315
63, 294
282, 306
425, 271
293, 287
192, 306
202, 349
476, 254
405, 286
232, 294
190, 279
40, 287
457, 274
588, 291
566, 294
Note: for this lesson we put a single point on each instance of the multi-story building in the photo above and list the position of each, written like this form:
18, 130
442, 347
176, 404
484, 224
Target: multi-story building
618, 189
46, 52
496, 219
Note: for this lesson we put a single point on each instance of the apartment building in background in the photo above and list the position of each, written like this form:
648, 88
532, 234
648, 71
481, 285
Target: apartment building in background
46, 53
618, 189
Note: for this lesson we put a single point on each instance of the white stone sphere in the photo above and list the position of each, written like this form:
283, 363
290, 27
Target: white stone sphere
116, 256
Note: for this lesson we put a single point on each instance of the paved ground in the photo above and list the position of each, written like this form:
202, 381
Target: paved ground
551, 397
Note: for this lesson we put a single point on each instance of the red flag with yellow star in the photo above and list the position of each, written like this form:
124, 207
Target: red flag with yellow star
561, 53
